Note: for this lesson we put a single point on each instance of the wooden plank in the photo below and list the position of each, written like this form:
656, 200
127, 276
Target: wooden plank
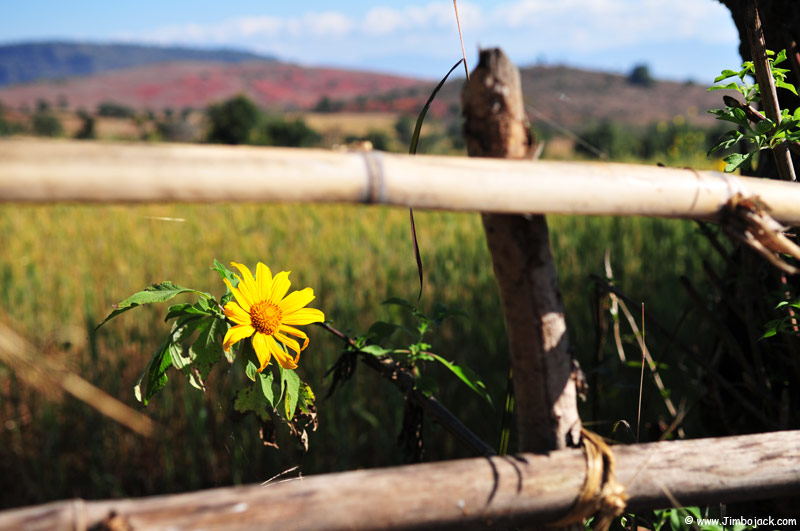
464, 494
495, 125
70, 170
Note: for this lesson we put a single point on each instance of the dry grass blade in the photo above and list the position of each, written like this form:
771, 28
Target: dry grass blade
18, 354
620, 305
461, 38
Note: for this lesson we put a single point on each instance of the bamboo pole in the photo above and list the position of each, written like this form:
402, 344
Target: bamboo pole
69, 170
463, 494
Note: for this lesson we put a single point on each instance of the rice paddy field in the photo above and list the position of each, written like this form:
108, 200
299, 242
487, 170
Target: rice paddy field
62, 267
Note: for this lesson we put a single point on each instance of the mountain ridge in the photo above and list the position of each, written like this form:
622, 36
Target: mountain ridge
563, 95
25, 62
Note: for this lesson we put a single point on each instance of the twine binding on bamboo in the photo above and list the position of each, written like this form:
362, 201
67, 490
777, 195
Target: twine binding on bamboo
601, 496
376, 182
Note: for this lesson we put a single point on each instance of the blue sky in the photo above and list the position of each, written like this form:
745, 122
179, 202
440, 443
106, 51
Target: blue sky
678, 39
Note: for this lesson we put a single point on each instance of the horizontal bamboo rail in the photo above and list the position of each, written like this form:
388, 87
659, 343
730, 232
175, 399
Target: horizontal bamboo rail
462, 494
67, 170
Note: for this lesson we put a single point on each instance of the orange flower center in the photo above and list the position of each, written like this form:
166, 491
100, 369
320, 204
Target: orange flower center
266, 317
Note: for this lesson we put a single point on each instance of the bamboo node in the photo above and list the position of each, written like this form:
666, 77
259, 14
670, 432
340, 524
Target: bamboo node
601, 496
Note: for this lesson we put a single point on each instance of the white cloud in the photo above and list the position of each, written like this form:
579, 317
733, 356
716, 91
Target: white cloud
567, 30
592, 24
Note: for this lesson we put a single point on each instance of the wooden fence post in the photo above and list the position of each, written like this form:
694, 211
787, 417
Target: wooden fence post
496, 126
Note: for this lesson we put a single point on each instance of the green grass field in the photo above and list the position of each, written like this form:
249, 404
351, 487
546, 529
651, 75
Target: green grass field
63, 266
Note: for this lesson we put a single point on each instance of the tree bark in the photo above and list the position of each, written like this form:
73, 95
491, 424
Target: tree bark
496, 126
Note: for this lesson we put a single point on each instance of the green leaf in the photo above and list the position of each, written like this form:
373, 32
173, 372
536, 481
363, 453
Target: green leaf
179, 310
737, 160
251, 370
205, 351
375, 350
381, 331
465, 375
725, 74
251, 398
727, 86
224, 272
442, 312
156, 293
291, 382
675, 521
726, 141
427, 385
266, 386
154, 375
764, 126
785, 85
307, 398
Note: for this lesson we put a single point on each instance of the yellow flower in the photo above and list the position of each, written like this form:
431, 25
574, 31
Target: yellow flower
264, 313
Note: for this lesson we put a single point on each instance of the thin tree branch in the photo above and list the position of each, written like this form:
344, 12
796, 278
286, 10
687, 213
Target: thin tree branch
769, 95
405, 382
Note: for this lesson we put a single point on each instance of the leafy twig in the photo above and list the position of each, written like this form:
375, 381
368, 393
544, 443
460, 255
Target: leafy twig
766, 84
402, 378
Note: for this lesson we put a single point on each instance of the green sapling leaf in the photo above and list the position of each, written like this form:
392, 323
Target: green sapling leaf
156, 293
251, 398
154, 375
251, 370
375, 350
291, 382
266, 386
467, 376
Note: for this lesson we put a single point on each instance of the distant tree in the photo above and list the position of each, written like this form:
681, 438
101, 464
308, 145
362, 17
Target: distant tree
640, 75
404, 127
610, 138
42, 105
63, 102
276, 131
326, 104
232, 121
111, 109
46, 124
87, 126
5, 127
380, 140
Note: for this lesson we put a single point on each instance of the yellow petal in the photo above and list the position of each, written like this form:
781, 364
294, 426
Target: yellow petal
246, 291
296, 300
288, 341
280, 285
264, 281
235, 334
243, 301
284, 359
262, 348
250, 285
295, 332
235, 313
304, 316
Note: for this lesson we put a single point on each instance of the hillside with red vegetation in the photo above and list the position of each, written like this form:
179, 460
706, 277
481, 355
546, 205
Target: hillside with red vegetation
178, 85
